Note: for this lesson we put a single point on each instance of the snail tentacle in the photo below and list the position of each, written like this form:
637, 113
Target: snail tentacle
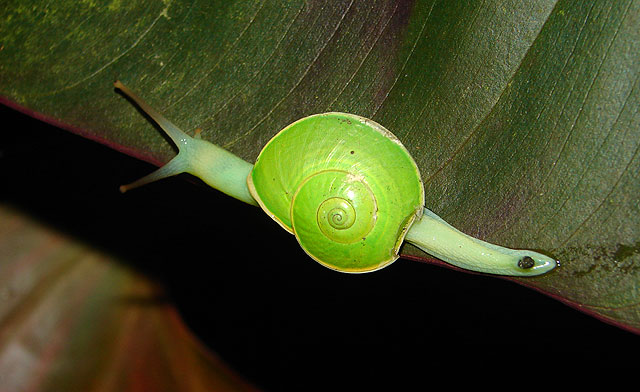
438, 238
171, 168
216, 166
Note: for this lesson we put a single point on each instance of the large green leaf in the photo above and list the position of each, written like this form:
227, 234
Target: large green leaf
522, 117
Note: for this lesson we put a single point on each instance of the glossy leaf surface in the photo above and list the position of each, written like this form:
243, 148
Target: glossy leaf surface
522, 118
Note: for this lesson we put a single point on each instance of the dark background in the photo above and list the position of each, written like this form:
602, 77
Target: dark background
279, 319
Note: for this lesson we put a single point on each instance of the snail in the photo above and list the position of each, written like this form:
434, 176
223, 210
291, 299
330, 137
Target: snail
347, 189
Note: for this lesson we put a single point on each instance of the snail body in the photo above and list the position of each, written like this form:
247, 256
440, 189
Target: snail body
348, 190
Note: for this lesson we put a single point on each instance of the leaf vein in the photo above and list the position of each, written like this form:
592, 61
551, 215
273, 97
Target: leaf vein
304, 74
366, 56
404, 65
572, 128
233, 45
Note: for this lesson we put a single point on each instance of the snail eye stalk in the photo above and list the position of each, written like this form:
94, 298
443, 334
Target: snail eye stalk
216, 166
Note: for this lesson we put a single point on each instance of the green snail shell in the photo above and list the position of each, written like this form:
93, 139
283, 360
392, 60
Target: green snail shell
344, 185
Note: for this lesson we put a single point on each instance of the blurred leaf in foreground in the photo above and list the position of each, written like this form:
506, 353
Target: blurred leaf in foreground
75, 319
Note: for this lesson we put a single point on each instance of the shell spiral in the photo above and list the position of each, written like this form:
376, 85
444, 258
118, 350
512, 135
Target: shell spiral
332, 206
344, 185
